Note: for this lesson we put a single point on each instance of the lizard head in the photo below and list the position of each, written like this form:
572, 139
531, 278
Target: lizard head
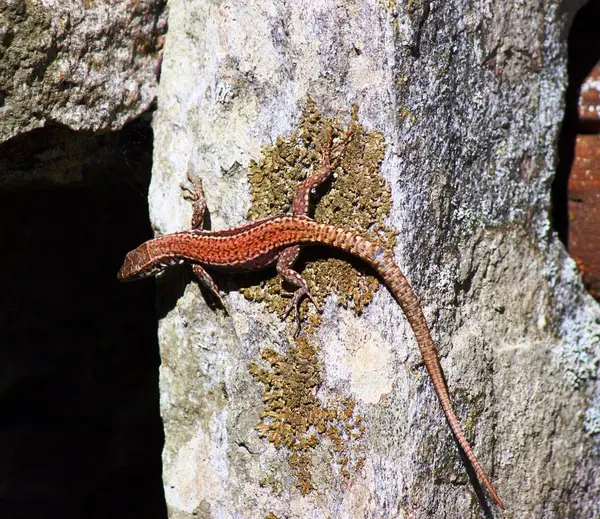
138, 265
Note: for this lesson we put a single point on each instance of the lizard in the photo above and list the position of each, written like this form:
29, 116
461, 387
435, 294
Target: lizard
277, 240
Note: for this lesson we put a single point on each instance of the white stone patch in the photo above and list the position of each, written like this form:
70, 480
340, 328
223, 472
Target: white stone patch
359, 355
199, 471
505, 347
359, 501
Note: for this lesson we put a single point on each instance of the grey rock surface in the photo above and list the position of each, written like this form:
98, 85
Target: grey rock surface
469, 101
86, 65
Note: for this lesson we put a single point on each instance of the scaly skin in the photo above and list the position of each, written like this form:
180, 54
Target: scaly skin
259, 244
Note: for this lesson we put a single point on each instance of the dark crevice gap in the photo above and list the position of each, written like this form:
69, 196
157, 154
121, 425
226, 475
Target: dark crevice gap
80, 434
583, 54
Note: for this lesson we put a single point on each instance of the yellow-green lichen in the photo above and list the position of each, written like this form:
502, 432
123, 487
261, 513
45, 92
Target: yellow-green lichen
271, 479
390, 5
294, 417
475, 410
358, 198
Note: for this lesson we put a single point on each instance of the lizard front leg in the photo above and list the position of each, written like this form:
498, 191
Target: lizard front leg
194, 191
207, 282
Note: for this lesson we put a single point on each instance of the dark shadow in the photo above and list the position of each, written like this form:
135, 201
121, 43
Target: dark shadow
484, 499
80, 434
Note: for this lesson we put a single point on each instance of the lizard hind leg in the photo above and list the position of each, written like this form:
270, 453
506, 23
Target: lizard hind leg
285, 270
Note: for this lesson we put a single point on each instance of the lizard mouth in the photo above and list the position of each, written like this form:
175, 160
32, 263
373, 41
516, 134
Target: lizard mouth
138, 264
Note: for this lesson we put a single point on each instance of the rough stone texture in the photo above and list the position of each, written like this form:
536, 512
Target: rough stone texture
469, 100
87, 65
57, 156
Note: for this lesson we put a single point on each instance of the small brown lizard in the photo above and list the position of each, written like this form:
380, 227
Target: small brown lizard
259, 244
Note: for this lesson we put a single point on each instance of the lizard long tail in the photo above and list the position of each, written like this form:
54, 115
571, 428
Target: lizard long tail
383, 262
257, 245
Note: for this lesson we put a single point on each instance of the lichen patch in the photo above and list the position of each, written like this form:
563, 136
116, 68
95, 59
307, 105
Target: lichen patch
295, 419
358, 198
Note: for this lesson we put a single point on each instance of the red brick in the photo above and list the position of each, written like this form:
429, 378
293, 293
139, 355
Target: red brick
584, 210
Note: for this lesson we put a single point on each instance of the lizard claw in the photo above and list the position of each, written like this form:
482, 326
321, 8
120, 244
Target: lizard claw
192, 190
295, 305
220, 303
342, 145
